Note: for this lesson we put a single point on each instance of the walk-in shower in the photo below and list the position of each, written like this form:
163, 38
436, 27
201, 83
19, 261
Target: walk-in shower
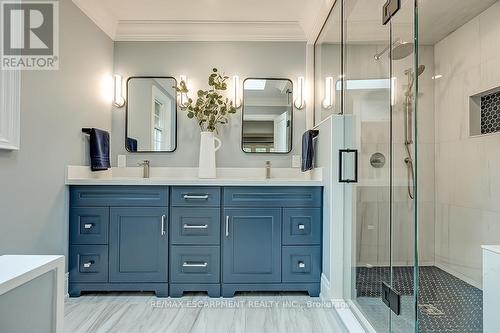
416, 223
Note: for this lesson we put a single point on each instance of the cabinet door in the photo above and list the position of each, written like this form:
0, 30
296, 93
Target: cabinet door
252, 245
138, 245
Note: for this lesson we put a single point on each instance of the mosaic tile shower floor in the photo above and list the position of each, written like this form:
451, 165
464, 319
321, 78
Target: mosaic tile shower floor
446, 303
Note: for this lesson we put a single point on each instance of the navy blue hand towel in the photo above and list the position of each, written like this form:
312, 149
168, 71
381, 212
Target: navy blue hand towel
99, 150
308, 149
131, 144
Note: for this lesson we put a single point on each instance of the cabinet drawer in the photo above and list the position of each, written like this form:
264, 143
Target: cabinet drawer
195, 226
146, 196
301, 264
89, 225
302, 226
88, 263
273, 196
196, 196
195, 264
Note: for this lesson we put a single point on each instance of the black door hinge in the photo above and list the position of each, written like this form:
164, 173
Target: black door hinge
391, 298
390, 9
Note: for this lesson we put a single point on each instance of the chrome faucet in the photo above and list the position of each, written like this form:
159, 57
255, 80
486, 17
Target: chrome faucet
268, 169
146, 168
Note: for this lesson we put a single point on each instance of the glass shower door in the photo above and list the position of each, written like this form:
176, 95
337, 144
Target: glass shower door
404, 74
378, 162
367, 134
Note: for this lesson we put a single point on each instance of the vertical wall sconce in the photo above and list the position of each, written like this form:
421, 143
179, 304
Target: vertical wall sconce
236, 92
118, 99
394, 91
299, 101
183, 97
329, 100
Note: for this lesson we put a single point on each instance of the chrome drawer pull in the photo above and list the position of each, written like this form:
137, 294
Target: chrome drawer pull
302, 265
88, 264
185, 264
302, 227
88, 225
195, 226
163, 232
227, 226
195, 197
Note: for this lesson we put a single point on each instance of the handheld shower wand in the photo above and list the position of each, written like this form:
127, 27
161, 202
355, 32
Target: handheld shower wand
409, 127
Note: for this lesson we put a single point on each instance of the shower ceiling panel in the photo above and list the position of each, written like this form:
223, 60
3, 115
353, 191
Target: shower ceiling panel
437, 20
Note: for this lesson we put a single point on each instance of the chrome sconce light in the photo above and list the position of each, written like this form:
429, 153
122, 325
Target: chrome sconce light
118, 99
183, 97
300, 98
394, 91
329, 100
236, 92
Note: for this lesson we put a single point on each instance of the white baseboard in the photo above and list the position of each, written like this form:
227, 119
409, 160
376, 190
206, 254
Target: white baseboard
343, 309
325, 291
350, 320
360, 318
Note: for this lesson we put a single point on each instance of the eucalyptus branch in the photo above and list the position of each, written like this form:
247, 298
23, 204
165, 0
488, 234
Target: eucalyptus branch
210, 108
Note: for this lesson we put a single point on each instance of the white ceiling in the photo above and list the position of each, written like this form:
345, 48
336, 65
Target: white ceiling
437, 19
293, 20
440, 18
272, 20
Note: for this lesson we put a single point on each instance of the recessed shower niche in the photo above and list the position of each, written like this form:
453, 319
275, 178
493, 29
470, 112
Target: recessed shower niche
484, 113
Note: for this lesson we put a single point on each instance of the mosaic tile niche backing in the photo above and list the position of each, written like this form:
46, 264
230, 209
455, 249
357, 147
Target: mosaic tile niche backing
490, 113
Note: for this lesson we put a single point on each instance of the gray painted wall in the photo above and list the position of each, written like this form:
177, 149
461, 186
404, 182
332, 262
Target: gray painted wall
196, 59
55, 106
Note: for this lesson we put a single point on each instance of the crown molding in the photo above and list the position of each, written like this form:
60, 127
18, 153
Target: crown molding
188, 30
208, 31
102, 17
317, 15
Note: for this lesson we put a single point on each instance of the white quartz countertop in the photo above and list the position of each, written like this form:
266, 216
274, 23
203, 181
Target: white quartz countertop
492, 248
82, 175
16, 270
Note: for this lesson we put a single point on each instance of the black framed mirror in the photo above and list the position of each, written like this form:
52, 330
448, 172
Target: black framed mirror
267, 116
151, 114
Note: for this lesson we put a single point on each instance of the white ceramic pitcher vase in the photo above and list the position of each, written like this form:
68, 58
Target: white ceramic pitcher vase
206, 165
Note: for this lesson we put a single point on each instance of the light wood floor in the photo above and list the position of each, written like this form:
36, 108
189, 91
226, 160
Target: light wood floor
248, 313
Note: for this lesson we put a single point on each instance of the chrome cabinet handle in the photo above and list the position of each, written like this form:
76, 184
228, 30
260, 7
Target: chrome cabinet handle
301, 264
163, 232
302, 227
227, 226
88, 225
195, 226
195, 197
204, 264
88, 264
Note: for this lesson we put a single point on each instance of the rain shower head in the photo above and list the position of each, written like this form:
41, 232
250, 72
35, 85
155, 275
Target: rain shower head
400, 50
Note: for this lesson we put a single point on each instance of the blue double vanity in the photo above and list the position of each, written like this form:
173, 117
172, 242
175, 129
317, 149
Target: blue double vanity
176, 239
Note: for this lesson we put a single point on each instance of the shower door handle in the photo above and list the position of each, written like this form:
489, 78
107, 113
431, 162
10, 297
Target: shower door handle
342, 152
